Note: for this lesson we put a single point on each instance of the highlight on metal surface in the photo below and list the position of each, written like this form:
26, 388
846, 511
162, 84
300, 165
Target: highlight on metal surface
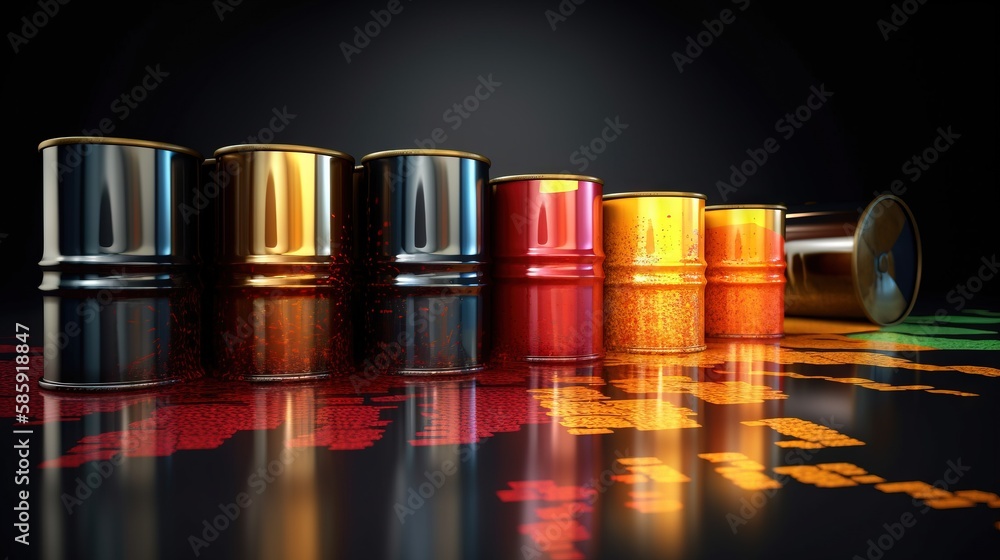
654, 291
119, 263
548, 270
745, 256
427, 259
843, 264
285, 263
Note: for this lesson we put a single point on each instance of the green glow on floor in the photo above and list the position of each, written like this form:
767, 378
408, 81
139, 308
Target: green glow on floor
983, 312
958, 319
930, 341
931, 330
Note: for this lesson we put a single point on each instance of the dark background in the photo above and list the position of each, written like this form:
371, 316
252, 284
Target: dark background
605, 60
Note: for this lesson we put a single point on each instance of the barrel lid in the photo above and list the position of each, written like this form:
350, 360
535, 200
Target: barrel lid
641, 194
546, 177
746, 207
425, 152
295, 148
887, 260
67, 140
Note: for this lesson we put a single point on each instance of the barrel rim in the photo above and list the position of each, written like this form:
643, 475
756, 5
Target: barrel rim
657, 194
821, 213
425, 152
296, 148
866, 215
781, 207
117, 141
547, 177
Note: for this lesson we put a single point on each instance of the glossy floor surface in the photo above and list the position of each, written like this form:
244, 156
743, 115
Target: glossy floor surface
836, 441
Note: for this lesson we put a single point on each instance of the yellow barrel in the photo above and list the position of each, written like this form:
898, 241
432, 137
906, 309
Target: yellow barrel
654, 289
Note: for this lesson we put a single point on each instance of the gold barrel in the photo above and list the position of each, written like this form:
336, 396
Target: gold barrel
285, 254
654, 287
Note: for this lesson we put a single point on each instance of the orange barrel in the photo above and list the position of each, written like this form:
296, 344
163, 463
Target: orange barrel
654, 288
549, 279
284, 263
745, 254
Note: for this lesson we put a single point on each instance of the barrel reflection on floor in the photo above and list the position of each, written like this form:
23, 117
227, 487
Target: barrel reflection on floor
433, 502
110, 509
286, 517
557, 489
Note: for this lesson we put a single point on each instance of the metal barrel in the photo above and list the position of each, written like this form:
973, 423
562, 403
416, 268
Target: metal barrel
427, 258
360, 235
284, 259
654, 288
120, 263
745, 257
863, 264
548, 272
209, 190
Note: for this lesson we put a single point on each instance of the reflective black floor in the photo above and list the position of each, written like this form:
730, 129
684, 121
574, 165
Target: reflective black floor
825, 444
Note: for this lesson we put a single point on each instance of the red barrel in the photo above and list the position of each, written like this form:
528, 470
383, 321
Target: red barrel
549, 275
